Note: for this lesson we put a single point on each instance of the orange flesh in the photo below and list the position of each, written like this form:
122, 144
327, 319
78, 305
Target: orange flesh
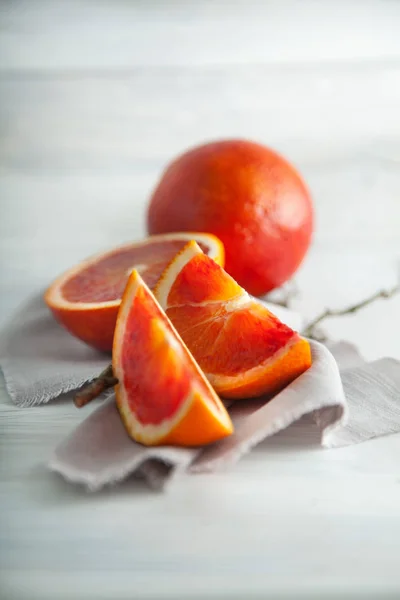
222, 342
206, 286
157, 375
244, 350
105, 280
281, 371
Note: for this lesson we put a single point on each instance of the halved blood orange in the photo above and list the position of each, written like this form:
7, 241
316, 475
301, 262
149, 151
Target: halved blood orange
243, 349
86, 299
162, 395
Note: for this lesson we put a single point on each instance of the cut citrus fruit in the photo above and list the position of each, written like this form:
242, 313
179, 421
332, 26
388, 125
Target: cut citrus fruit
162, 395
244, 350
86, 299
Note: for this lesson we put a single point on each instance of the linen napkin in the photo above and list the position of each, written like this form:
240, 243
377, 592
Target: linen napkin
350, 401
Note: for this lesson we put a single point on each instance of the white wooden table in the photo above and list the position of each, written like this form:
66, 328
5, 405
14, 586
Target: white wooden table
95, 99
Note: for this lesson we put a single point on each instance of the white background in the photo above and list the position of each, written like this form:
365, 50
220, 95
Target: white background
95, 99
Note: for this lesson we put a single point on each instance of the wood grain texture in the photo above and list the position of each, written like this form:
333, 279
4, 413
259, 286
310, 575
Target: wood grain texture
53, 35
96, 98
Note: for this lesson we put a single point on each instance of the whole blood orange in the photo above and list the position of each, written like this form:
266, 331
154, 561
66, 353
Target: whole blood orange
162, 395
248, 196
86, 299
243, 349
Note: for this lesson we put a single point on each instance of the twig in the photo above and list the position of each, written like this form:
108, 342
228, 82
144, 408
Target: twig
309, 330
89, 392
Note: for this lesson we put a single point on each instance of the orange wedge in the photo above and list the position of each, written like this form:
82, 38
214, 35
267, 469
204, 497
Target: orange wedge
244, 350
86, 299
162, 395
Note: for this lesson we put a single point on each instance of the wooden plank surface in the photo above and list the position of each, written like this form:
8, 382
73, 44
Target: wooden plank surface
95, 99
79, 35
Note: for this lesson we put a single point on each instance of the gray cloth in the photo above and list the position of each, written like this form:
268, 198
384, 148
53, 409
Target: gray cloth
350, 401
40, 360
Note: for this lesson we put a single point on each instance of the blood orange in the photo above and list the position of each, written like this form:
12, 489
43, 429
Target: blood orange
249, 196
86, 299
243, 348
162, 395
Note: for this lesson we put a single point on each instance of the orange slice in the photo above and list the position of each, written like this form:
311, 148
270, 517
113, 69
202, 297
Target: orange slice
162, 395
244, 350
86, 299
